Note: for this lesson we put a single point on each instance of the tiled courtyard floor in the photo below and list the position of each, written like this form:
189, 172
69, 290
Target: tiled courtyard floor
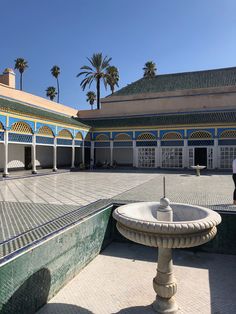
120, 281
31, 202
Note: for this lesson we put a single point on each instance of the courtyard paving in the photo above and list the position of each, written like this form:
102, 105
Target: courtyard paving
28, 203
119, 281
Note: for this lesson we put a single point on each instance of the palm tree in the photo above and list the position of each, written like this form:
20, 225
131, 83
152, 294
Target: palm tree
55, 71
149, 69
112, 77
95, 72
91, 97
51, 92
20, 65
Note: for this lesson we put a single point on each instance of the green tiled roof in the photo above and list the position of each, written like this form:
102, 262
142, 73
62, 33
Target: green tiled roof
180, 81
16, 107
227, 116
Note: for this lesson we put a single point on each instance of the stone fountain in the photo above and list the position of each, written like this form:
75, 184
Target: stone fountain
159, 225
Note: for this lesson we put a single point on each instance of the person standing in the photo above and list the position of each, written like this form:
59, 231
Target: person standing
234, 178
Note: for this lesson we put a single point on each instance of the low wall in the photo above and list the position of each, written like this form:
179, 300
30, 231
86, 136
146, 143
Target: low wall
32, 278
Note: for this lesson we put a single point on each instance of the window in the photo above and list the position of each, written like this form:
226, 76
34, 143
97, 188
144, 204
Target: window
227, 155
172, 157
146, 157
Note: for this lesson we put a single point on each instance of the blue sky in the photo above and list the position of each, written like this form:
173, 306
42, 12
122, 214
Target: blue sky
178, 35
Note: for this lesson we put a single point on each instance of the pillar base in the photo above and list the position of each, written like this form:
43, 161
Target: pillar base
165, 306
34, 172
5, 175
54, 170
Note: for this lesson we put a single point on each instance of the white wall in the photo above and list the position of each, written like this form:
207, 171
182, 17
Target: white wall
16, 156
44, 156
64, 156
123, 156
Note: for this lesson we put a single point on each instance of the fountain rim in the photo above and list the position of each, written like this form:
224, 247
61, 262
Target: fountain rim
174, 227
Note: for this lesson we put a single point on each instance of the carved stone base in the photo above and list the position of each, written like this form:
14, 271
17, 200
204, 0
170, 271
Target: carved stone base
165, 306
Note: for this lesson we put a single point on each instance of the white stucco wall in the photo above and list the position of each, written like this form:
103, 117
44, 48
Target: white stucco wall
64, 156
44, 156
16, 156
123, 156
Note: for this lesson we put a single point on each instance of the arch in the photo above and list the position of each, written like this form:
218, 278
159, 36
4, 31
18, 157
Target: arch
21, 127
102, 137
146, 137
228, 134
79, 136
172, 136
122, 137
45, 130
65, 134
88, 137
200, 135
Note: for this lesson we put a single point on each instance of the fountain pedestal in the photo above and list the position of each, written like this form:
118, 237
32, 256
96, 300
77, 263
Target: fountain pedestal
155, 224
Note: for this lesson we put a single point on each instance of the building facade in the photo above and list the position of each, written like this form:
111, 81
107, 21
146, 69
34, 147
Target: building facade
35, 134
169, 121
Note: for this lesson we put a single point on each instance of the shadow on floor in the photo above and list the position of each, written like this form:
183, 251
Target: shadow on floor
62, 308
221, 272
137, 310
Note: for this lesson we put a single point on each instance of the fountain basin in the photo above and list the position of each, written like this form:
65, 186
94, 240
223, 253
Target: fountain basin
191, 225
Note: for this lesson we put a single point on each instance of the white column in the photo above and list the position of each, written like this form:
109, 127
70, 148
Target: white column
185, 154
134, 154
158, 154
5, 171
73, 154
83, 153
33, 154
215, 154
55, 155
111, 152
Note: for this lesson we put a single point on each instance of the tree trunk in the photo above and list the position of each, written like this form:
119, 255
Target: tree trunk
21, 81
58, 91
98, 93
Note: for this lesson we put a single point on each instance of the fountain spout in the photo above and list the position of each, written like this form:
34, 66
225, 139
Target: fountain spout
164, 211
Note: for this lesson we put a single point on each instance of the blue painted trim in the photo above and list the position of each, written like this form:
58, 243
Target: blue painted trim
95, 134
130, 133
172, 143
137, 133
14, 120
146, 143
63, 141
163, 132
40, 125
21, 138
123, 144
227, 142
200, 142
2, 134
212, 131
3, 120
59, 128
44, 140
87, 144
221, 130
101, 144
78, 143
